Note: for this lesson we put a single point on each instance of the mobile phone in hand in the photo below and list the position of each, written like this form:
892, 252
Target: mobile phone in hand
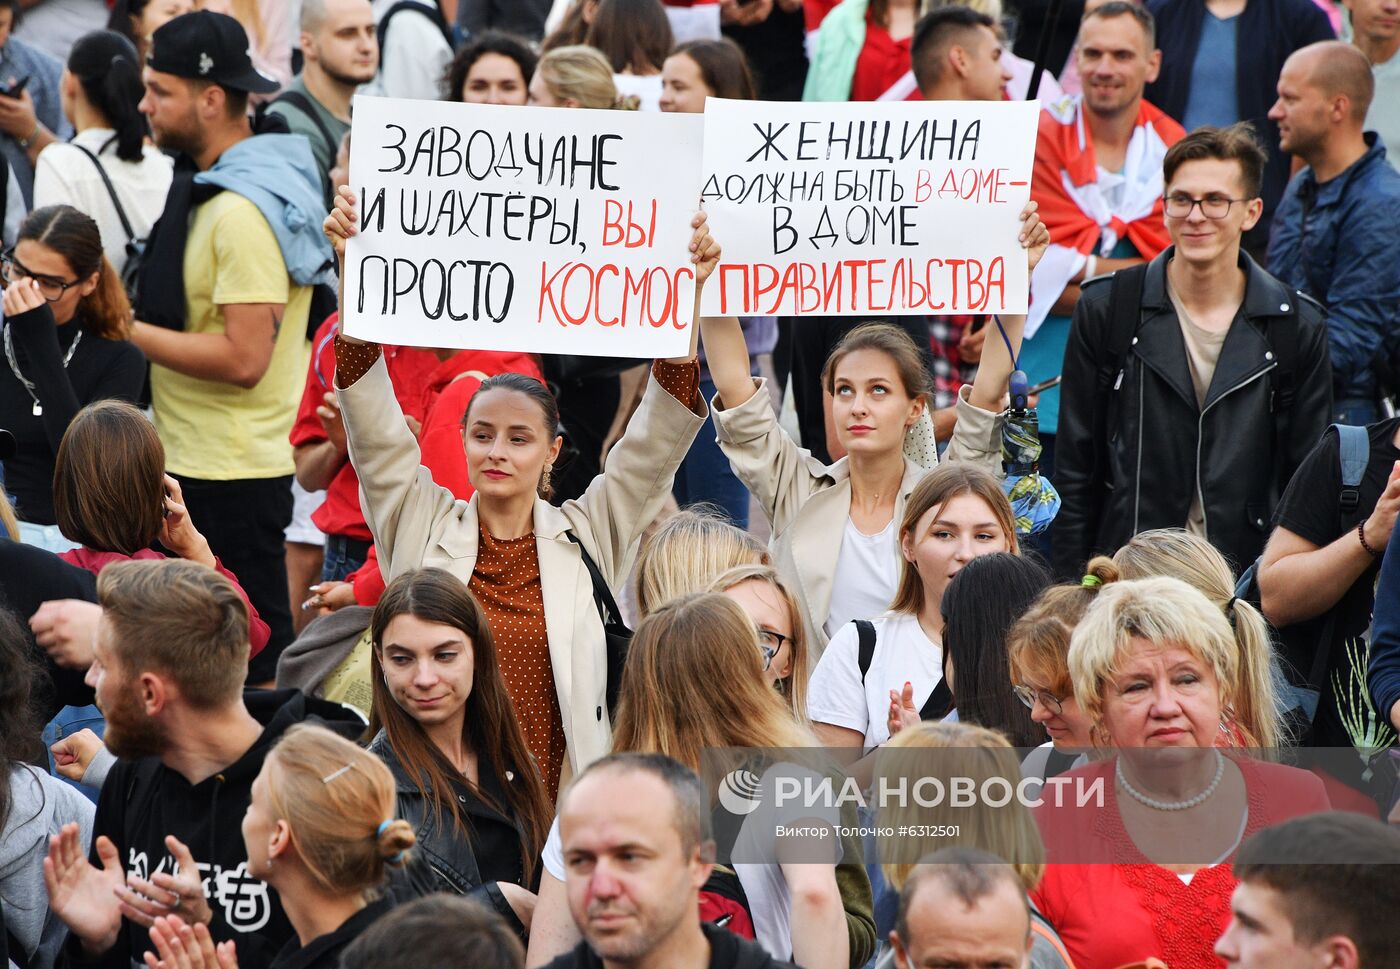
15, 89
1043, 386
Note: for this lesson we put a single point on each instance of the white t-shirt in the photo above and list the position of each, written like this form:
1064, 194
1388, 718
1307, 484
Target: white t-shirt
65, 175
903, 652
867, 574
647, 89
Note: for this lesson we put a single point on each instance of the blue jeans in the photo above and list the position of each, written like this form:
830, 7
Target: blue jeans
705, 475
71, 720
343, 556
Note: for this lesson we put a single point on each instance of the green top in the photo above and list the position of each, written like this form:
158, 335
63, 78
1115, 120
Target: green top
301, 123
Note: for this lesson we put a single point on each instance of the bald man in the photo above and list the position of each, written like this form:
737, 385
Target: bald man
1350, 198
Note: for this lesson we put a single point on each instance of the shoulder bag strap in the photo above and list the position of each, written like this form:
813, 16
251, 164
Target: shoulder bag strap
111, 191
303, 104
865, 638
602, 595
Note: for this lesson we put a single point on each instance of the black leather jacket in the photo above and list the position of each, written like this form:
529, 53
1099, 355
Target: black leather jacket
1162, 448
442, 859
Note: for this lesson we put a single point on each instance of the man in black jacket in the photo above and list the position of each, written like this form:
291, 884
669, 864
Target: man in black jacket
169, 662
638, 848
1195, 385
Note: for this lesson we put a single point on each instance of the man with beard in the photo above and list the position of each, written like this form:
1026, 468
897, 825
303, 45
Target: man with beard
1098, 179
637, 849
224, 297
341, 52
169, 660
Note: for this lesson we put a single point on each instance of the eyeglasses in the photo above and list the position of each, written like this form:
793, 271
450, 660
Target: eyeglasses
770, 644
12, 271
1028, 696
1213, 207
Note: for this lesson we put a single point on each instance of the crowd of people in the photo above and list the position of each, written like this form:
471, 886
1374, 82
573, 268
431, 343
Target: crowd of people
316, 652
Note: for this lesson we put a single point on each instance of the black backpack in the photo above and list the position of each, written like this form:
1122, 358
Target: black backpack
939, 702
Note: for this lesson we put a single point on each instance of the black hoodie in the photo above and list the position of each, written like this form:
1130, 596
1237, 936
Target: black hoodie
727, 951
143, 801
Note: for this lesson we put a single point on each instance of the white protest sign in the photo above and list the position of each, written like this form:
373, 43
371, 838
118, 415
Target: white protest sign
870, 209
536, 229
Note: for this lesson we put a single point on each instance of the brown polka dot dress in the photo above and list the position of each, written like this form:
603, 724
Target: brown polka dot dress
506, 581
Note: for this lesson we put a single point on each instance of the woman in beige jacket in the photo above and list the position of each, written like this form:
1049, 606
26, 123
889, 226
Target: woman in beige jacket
522, 557
834, 540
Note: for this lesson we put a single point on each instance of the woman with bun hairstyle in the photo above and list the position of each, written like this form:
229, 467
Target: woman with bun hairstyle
834, 532
1038, 652
100, 90
320, 830
523, 558
67, 343
443, 723
576, 77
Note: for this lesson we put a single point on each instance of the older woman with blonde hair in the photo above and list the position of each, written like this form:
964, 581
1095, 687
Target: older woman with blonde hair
1254, 715
1155, 666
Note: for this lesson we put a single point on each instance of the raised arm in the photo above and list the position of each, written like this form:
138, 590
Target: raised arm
997, 358
727, 356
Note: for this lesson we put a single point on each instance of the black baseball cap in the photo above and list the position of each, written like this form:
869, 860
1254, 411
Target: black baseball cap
208, 46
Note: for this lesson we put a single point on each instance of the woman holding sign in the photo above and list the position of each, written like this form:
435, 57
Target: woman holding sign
880, 390
536, 569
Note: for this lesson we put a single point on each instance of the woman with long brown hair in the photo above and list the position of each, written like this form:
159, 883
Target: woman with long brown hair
443, 722
694, 681
66, 337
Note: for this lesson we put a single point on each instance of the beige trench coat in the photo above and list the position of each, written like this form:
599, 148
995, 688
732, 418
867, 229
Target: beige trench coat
417, 523
807, 502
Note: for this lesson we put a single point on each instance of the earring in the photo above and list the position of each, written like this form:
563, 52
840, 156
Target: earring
545, 478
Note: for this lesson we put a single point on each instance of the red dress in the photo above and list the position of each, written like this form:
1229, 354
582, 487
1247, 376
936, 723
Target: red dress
883, 61
1113, 914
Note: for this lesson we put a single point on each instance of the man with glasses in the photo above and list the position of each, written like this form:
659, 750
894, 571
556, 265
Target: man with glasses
1333, 231
1193, 385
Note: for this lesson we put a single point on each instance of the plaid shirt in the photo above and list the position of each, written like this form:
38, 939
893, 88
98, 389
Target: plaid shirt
949, 372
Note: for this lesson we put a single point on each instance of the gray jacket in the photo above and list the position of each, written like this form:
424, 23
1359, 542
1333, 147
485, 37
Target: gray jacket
39, 806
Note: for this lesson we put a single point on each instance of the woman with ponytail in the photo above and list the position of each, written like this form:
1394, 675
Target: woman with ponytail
320, 831
66, 328
100, 90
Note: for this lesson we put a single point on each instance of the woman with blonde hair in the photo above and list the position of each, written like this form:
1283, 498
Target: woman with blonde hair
693, 681
685, 554
576, 77
956, 513
1155, 666
1174, 552
1009, 832
320, 831
774, 610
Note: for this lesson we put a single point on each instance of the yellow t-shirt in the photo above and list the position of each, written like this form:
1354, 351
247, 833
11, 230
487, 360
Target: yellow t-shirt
213, 430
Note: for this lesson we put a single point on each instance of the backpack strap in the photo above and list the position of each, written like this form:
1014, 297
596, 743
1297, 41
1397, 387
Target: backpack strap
865, 639
1355, 444
1042, 928
111, 191
1124, 315
939, 702
430, 10
303, 104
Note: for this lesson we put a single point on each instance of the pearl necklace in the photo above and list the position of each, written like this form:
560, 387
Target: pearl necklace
1191, 802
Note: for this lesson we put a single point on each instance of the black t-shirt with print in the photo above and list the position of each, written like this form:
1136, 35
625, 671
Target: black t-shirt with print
1311, 509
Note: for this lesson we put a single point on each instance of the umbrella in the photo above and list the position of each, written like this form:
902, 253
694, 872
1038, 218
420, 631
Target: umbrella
1034, 500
